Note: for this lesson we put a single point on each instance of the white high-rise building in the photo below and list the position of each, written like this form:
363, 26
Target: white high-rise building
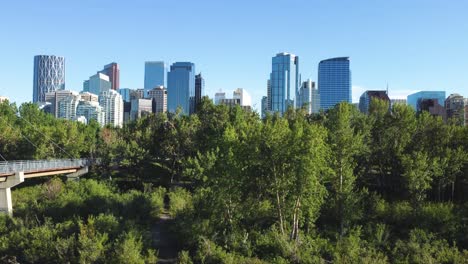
90, 110
309, 97
219, 96
243, 95
112, 104
67, 107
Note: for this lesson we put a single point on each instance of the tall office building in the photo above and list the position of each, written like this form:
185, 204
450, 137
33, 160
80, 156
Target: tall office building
125, 92
199, 89
309, 97
97, 84
140, 108
455, 106
54, 98
67, 107
113, 105
155, 75
49, 76
414, 100
284, 81
112, 70
367, 96
268, 95
219, 96
243, 96
334, 82
90, 111
159, 97
181, 87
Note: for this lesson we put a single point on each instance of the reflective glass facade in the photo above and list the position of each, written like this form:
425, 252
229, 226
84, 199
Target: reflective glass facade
414, 98
155, 75
284, 81
49, 76
181, 87
334, 82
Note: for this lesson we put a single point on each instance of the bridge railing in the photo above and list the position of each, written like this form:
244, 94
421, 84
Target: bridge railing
7, 167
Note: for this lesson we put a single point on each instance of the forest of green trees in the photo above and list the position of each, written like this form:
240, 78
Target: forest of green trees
334, 187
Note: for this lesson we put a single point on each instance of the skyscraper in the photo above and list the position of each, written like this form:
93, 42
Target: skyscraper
199, 89
334, 82
414, 99
159, 97
309, 97
243, 96
284, 81
90, 110
181, 87
155, 75
112, 104
97, 84
367, 96
112, 70
54, 98
219, 96
49, 76
67, 107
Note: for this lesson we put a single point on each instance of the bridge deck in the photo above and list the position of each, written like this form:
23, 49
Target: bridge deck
8, 168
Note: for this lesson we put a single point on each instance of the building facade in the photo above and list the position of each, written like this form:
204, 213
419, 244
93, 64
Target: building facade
54, 98
67, 107
113, 72
140, 108
199, 89
334, 82
455, 106
284, 82
97, 84
181, 87
88, 111
113, 105
159, 97
414, 100
125, 93
155, 75
243, 96
49, 76
367, 96
309, 97
87, 96
218, 97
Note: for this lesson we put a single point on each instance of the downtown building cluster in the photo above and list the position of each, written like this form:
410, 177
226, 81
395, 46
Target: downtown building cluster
178, 88
286, 89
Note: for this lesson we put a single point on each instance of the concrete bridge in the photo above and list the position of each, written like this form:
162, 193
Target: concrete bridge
13, 173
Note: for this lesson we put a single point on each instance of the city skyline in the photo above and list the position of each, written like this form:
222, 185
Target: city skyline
399, 48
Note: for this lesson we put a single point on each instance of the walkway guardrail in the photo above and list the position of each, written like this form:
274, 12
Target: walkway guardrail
11, 167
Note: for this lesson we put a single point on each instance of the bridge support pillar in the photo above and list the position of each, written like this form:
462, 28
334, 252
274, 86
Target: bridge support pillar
6, 203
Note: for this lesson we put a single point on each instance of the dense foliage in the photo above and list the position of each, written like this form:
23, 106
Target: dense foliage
341, 187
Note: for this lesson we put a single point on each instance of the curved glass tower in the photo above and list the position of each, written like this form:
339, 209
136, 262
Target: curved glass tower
334, 82
49, 75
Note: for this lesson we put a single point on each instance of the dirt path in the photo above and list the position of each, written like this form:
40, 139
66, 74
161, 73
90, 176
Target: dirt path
163, 238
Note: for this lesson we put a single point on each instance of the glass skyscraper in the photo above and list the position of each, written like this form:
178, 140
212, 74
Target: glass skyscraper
284, 81
155, 75
181, 87
413, 99
199, 89
334, 82
49, 76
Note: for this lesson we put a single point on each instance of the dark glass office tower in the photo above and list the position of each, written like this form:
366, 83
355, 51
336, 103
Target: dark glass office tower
334, 82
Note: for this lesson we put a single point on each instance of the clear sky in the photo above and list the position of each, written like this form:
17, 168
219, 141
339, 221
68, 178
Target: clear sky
411, 45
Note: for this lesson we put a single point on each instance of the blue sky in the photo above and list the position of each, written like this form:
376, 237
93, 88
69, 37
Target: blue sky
411, 45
